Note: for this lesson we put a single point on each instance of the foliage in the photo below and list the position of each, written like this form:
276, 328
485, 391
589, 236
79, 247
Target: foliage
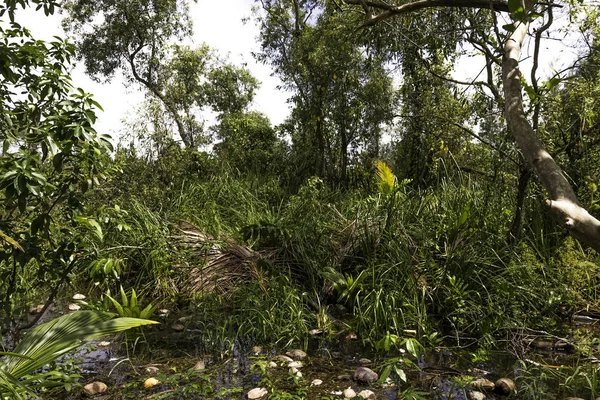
49, 341
51, 156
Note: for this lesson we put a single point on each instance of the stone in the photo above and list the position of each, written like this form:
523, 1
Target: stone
36, 310
349, 393
295, 364
272, 364
293, 370
504, 386
78, 296
351, 336
367, 394
365, 375
483, 384
316, 382
475, 395
103, 343
74, 307
152, 370
344, 377
257, 393
199, 365
296, 354
178, 327
148, 383
283, 358
95, 388
364, 361
315, 332
257, 349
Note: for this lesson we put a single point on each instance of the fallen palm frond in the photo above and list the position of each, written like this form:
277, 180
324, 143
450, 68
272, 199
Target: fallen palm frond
53, 339
224, 266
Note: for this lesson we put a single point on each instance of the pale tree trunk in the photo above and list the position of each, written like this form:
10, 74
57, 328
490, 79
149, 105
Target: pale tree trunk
562, 202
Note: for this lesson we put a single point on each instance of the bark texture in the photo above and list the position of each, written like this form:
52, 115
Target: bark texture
563, 203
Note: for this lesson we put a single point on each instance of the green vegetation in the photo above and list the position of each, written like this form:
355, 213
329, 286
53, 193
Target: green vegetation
409, 213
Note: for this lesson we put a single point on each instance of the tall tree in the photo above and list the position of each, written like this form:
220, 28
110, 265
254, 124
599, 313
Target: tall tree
333, 77
507, 41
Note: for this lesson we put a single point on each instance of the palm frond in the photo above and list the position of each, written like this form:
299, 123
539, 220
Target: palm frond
53, 339
386, 178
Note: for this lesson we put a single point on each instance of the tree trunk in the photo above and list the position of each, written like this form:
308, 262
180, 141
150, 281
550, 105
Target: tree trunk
563, 203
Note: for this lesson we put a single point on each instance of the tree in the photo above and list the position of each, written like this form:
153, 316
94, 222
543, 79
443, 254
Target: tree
343, 95
51, 156
134, 37
508, 41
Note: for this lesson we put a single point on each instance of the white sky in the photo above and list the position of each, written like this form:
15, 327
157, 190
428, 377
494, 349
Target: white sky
219, 24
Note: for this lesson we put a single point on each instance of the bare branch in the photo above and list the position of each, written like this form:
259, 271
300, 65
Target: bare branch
391, 11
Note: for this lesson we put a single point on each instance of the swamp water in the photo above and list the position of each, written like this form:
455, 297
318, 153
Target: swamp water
230, 372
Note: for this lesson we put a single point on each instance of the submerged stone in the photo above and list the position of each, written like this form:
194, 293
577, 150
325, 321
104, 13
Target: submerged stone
283, 358
257, 393
95, 388
349, 393
296, 354
483, 384
367, 394
504, 386
475, 395
366, 375
199, 365
148, 383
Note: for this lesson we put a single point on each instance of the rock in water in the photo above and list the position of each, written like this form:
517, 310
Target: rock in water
366, 375
349, 393
504, 386
367, 394
95, 388
257, 393
199, 365
296, 354
483, 384
148, 383
283, 358
475, 395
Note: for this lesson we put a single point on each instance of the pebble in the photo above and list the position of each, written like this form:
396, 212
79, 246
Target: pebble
199, 365
178, 327
315, 332
367, 394
257, 393
283, 358
366, 375
74, 307
364, 361
344, 377
483, 384
148, 383
152, 370
475, 395
257, 350
295, 364
36, 310
316, 382
78, 296
349, 393
504, 386
296, 354
351, 336
272, 364
95, 388
103, 343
